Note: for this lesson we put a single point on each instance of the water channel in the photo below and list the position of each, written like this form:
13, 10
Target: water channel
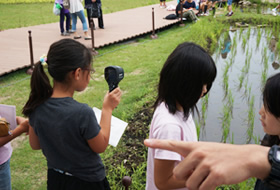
245, 58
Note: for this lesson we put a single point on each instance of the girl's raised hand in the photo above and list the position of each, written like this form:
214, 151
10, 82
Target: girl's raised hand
112, 99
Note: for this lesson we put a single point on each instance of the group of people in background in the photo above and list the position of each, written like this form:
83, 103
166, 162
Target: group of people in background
191, 9
76, 10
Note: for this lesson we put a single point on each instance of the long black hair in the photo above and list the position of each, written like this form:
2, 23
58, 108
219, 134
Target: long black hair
271, 102
183, 75
63, 56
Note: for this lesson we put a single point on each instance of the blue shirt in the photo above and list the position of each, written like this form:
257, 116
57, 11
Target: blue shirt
188, 5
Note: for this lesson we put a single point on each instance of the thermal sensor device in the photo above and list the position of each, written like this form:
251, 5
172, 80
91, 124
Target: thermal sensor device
113, 75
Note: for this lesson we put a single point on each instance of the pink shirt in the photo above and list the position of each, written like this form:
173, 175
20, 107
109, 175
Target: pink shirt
5, 153
167, 126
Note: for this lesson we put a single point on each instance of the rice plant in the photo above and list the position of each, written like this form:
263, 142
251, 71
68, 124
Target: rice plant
245, 68
256, 139
240, 33
234, 45
246, 87
198, 128
241, 79
204, 106
225, 78
248, 92
230, 101
244, 42
267, 31
264, 77
264, 54
259, 35
232, 138
248, 33
265, 59
226, 120
251, 120
227, 116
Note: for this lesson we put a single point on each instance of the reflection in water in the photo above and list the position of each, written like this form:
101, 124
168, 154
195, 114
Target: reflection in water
231, 113
226, 47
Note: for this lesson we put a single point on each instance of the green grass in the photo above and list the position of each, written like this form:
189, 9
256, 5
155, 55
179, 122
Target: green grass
18, 13
141, 60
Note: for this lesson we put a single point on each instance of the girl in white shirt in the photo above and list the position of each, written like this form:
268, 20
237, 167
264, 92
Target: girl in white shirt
186, 76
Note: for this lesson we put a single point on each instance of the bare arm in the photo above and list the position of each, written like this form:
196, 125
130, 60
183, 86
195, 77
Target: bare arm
33, 139
99, 143
21, 128
208, 165
164, 178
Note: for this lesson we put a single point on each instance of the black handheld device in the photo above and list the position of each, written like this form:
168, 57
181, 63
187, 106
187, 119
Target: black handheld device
113, 75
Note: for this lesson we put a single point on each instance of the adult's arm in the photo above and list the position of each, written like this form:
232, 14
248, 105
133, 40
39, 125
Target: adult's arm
208, 164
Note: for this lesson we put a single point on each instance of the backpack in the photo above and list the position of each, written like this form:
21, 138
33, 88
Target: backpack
171, 17
94, 10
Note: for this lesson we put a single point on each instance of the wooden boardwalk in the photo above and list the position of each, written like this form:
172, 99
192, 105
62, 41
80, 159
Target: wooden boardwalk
119, 26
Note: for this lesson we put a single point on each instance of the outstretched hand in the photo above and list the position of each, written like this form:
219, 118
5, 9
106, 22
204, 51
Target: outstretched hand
208, 164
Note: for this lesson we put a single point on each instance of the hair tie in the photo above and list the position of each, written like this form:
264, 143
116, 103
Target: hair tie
43, 60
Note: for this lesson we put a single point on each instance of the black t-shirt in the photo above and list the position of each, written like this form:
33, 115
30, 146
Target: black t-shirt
63, 127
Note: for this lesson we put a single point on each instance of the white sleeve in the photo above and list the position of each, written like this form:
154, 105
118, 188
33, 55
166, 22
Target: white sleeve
168, 132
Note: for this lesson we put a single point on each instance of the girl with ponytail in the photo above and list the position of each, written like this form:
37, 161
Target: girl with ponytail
66, 130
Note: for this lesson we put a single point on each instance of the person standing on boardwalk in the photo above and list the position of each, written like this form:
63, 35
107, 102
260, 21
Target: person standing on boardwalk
64, 13
162, 4
77, 10
88, 4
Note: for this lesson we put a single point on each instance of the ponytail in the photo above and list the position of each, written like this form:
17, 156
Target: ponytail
64, 56
41, 89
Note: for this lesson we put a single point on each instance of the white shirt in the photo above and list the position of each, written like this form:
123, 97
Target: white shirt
76, 6
168, 126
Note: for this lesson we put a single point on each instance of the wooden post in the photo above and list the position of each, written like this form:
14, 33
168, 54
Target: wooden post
181, 14
153, 36
30, 70
94, 52
126, 181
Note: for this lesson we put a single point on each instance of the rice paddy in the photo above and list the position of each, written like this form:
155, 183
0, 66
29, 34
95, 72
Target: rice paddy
245, 59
